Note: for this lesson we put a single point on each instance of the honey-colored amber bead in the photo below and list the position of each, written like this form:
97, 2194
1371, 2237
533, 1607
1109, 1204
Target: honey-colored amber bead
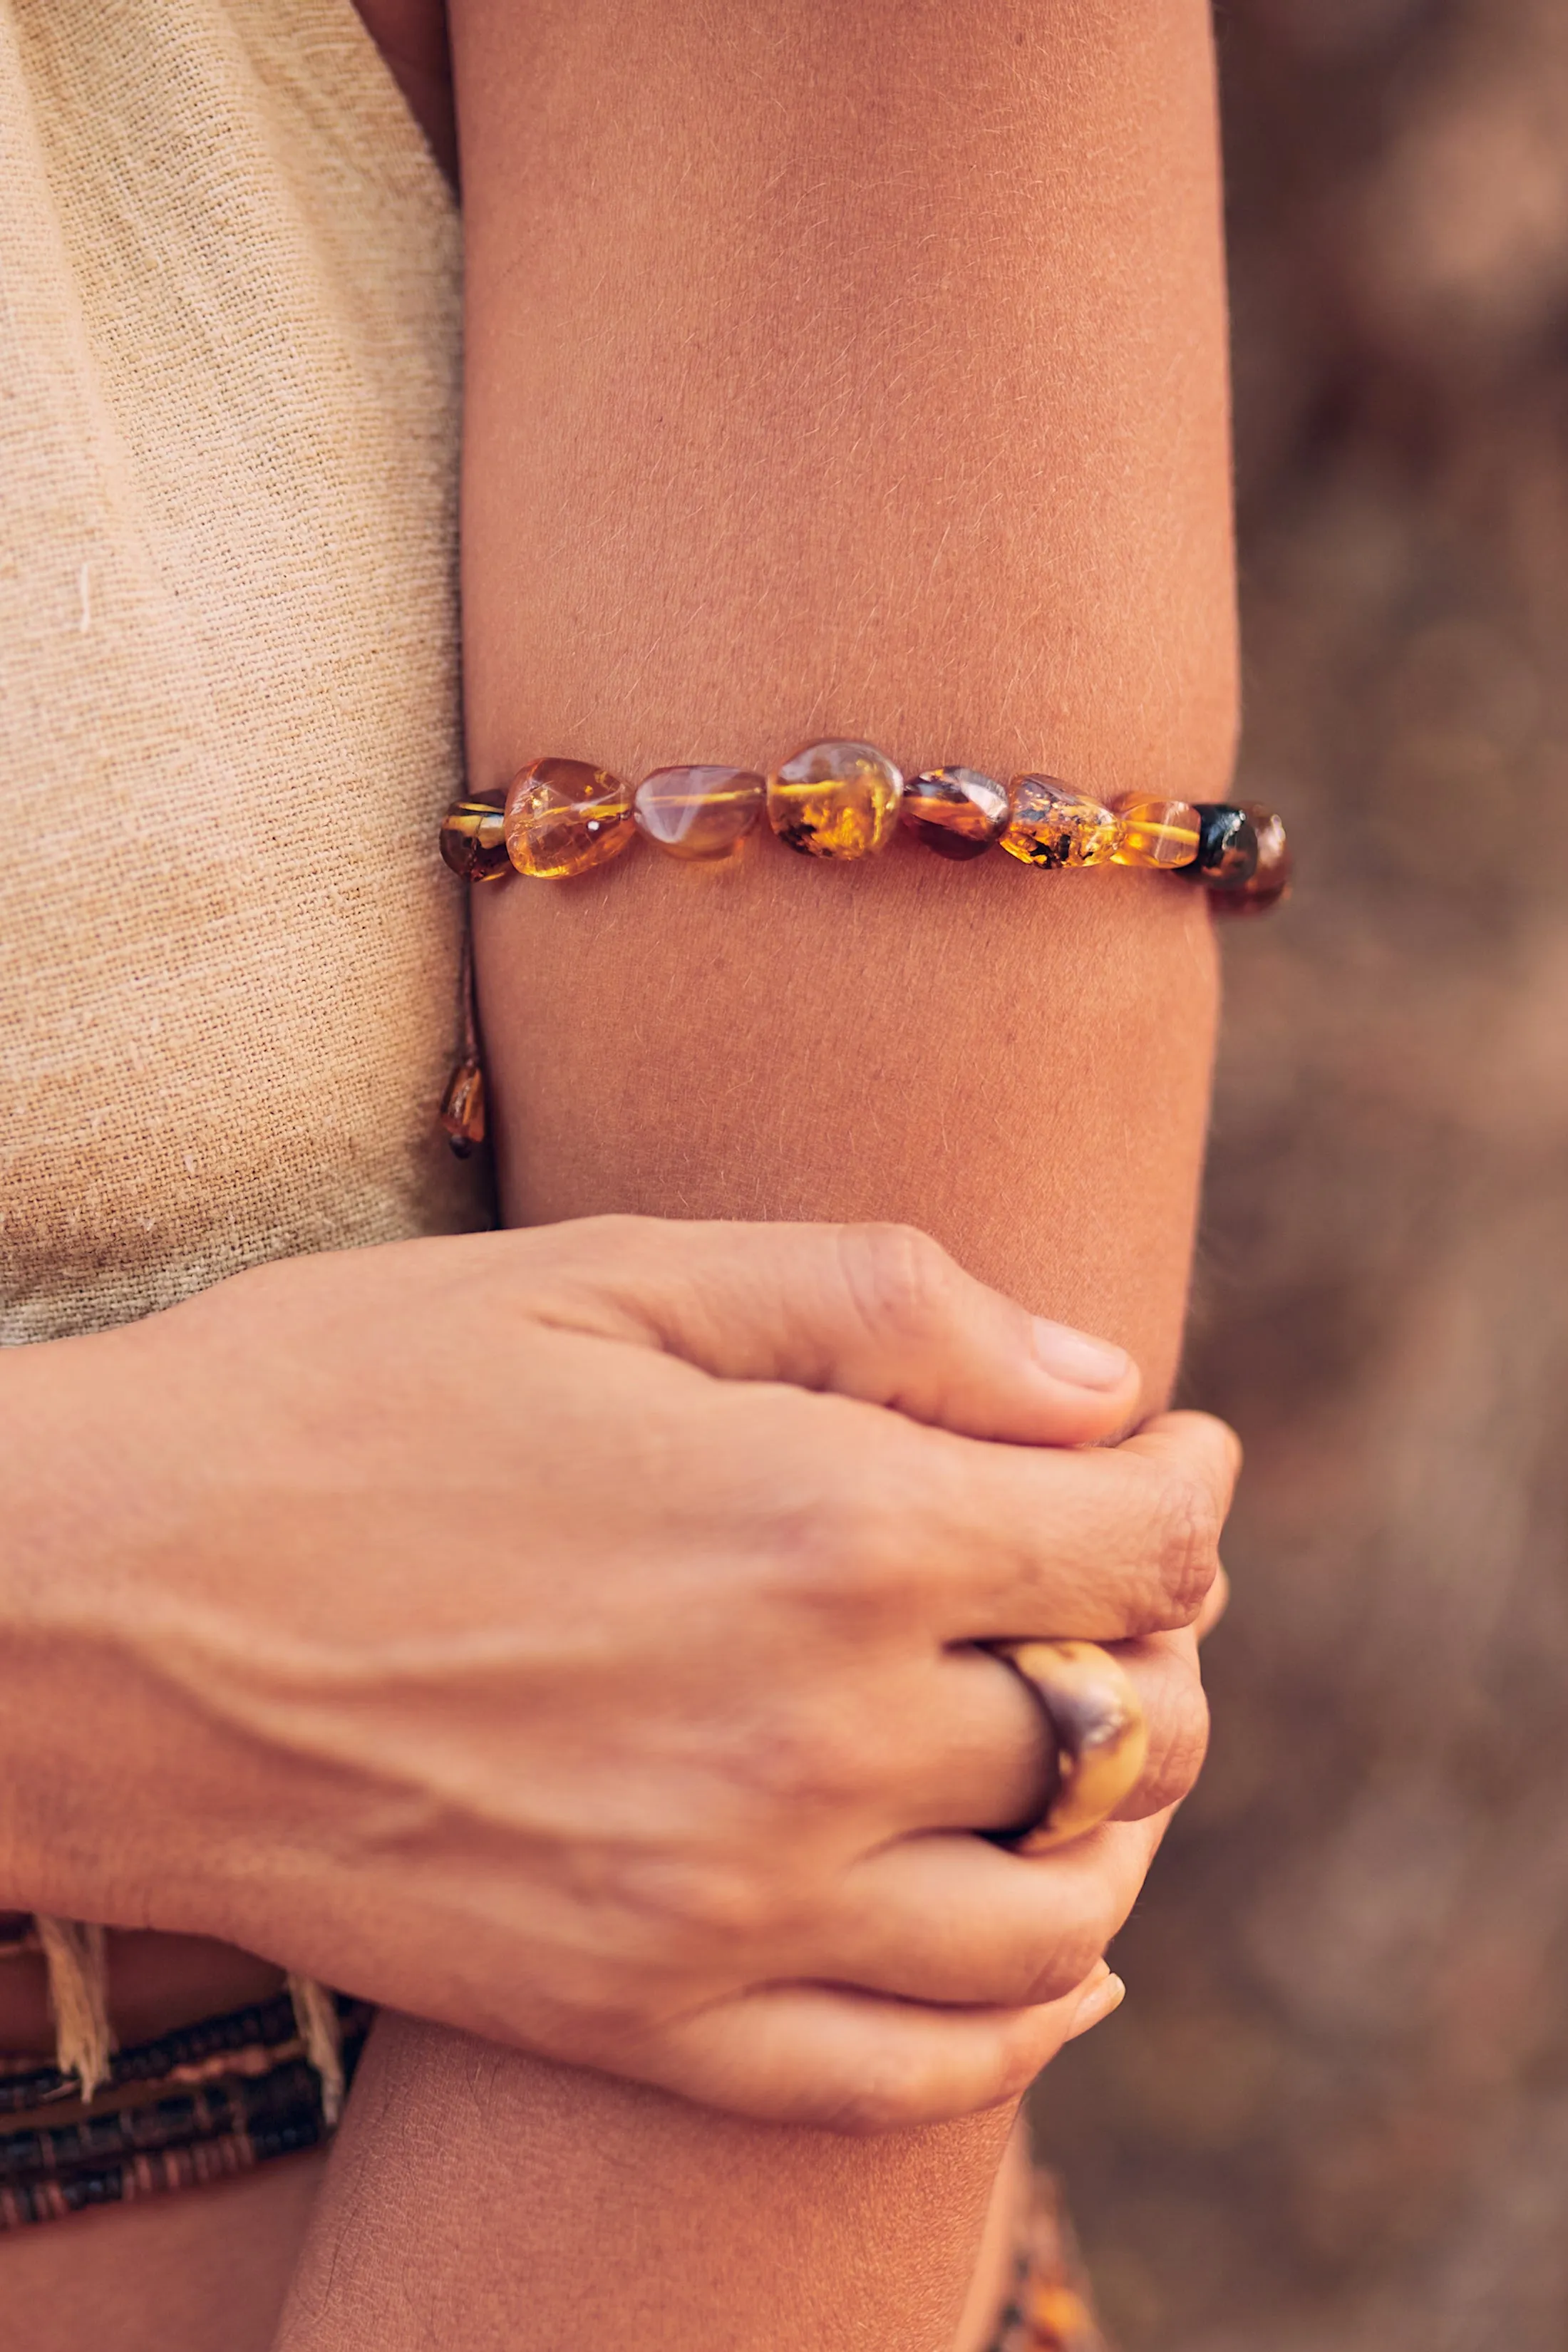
564, 818
463, 1108
1227, 847
473, 838
1053, 825
957, 812
699, 813
836, 800
1269, 880
1156, 833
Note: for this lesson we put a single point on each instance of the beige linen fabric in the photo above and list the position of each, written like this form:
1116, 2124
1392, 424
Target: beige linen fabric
228, 719
228, 701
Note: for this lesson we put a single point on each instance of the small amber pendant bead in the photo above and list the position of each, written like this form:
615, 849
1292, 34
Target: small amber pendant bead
1227, 847
463, 1108
836, 800
1156, 833
700, 814
1052, 826
1269, 880
473, 838
564, 818
957, 812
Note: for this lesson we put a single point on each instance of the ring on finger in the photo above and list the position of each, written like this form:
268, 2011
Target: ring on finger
1100, 1738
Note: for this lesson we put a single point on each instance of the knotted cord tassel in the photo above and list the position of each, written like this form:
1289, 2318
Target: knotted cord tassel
76, 1958
316, 2015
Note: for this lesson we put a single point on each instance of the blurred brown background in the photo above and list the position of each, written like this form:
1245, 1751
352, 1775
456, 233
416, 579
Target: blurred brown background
1334, 2117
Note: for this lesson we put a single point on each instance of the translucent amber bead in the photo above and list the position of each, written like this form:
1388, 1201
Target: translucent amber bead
1269, 880
957, 812
836, 800
564, 817
1053, 825
699, 813
463, 1108
1156, 833
1227, 847
473, 839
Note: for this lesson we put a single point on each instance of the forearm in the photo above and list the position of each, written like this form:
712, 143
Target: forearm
809, 397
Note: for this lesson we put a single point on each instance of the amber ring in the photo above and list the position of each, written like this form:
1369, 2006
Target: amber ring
1098, 1734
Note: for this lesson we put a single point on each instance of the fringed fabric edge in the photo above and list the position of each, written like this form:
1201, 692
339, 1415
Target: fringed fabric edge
75, 1956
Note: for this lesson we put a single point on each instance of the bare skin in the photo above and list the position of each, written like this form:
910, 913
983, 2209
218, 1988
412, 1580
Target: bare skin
970, 309
654, 1763
831, 372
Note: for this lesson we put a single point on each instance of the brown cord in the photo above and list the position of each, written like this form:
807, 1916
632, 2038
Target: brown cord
463, 1104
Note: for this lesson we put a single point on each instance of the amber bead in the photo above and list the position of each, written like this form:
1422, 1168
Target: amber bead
1053, 825
1269, 880
564, 816
836, 800
957, 812
463, 1108
473, 839
1155, 833
699, 813
1227, 847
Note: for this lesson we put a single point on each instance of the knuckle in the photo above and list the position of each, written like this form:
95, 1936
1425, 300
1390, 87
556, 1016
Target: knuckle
1187, 1550
1220, 1444
1178, 1743
852, 1554
899, 1280
808, 1763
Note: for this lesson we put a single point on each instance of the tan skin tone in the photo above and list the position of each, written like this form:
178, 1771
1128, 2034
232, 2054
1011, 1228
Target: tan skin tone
849, 407
653, 1761
958, 292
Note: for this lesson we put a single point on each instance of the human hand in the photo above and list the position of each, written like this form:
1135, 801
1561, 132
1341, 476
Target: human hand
565, 1635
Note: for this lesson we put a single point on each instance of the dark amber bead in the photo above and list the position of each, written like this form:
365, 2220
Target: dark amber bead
1269, 880
473, 838
699, 814
564, 818
836, 800
1156, 833
1227, 847
957, 812
1054, 825
463, 1108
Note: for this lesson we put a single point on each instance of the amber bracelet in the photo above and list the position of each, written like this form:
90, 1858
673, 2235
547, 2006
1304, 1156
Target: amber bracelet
839, 800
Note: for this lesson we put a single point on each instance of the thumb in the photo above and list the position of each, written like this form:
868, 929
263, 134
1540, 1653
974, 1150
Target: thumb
878, 1312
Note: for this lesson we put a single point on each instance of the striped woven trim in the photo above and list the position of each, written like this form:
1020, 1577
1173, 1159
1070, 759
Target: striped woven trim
205, 2102
213, 2044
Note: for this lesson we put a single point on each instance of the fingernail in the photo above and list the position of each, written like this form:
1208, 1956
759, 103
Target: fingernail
1097, 2005
1072, 1356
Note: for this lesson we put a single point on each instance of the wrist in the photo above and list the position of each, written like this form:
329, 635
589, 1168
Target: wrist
84, 1749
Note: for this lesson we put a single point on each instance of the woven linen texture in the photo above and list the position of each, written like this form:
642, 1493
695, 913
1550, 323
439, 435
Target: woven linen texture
229, 283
